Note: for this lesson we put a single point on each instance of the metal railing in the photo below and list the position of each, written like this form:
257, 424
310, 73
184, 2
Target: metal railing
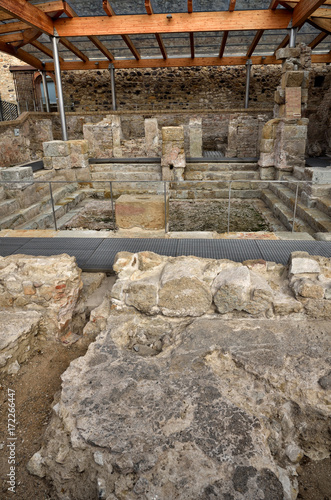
8, 111
165, 190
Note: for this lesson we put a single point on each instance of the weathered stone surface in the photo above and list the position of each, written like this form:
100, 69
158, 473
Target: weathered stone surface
288, 52
152, 137
146, 211
202, 414
173, 160
14, 175
17, 332
99, 137
143, 295
302, 263
56, 148
195, 127
308, 288
232, 287
184, 297
49, 285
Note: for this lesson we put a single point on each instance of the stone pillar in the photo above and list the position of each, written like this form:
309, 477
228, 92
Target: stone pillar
284, 138
195, 127
68, 158
173, 159
152, 137
99, 137
117, 136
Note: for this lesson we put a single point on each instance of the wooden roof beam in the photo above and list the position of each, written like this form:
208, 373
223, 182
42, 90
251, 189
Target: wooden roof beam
274, 4
148, 7
13, 37
180, 62
318, 40
12, 27
95, 40
111, 14
29, 35
192, 44
30, 14
283, 43
303, 10
45, 50
223, 44
254, 43
232, 5
70, 46
190, 6
21, 54
180, 23
150, 12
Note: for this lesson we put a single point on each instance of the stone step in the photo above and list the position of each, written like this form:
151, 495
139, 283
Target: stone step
299, 173
217, 184
46, 219
8, 207
283, 213
324, 205
315, 218
206, 175
12, 221
214, 194
318, 175
126, 176
2, 193
125, 167
307, 191
221, 167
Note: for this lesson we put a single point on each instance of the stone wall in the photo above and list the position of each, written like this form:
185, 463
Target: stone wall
178, 88
7, 86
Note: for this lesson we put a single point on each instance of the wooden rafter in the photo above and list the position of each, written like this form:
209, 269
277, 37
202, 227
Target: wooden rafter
223, 44
192, 44
190, 6
321, 24
13, 37
30, 14
232, 5
274, 4
148, 7
149, 10
70, 46
318, 40
303, 10
283, 43
180, 62
21, 54
12, 27
29, 35
184, 22
45, 50
95, 40
254, 43
111, 15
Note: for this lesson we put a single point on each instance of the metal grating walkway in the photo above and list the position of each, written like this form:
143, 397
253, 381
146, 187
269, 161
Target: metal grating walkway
97, 254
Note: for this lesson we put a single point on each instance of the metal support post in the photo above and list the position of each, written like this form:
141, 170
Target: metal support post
293, 37
248, 81
229, 206
295, 208
112, 204
52, 201
43, 77
113, 88
55, 41
165, 206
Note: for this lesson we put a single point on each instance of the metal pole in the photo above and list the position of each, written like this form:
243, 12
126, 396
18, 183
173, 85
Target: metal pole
293, 37
55, 41
43, 77
248, 81
112, 203
52, 201
229, 206
295, 208
113, 88
165, 206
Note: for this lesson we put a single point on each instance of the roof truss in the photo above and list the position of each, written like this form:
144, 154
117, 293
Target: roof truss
30, 21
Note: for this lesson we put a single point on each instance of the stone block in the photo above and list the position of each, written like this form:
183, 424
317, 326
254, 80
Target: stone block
56, 148
267, 173
117, 135
78, 160
61, 163
152, 137
293, 102
280, 96
78, 147
305, 80
145, 211
172, 134
48, 162
267, 145
302, 263
17, 174
82, 174
292, 79
232, 289
269, 129
288, 52
266, 159
319, 175
195, 127
295, 131
99, 137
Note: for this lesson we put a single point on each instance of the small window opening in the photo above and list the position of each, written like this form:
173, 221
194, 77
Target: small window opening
319, 81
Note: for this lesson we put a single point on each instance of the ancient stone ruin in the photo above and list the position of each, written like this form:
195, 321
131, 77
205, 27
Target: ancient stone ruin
204, 379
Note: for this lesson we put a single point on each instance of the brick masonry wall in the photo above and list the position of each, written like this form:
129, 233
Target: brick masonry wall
7, 86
